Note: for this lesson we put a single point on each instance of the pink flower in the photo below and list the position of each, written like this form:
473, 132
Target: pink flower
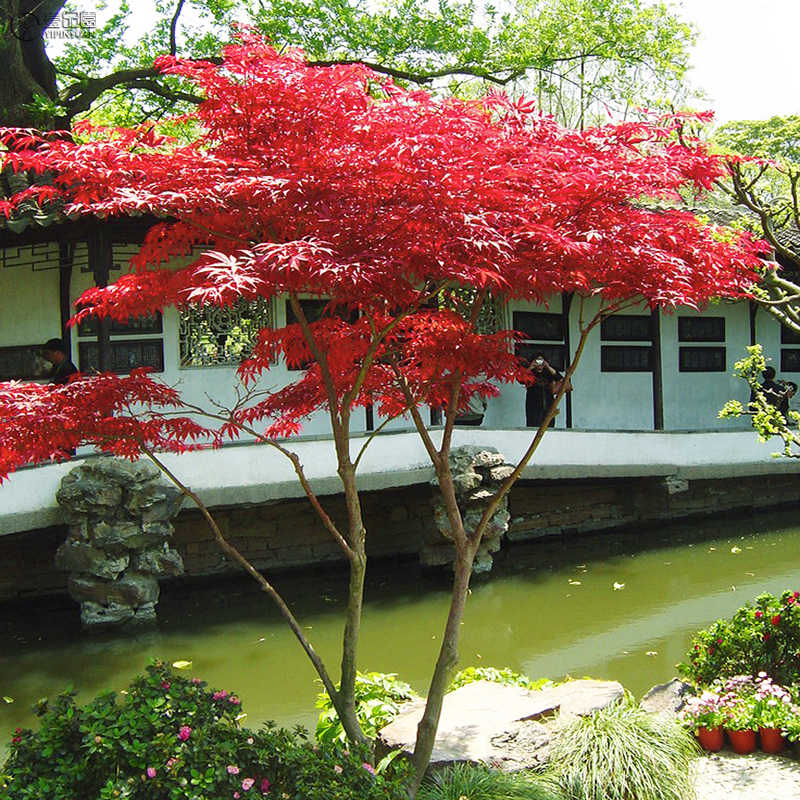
184, 733
776, 619
221, 695
165, 684
151, 772
232, 769
234, 701
247, 784
368, 767
338, 770
196, 681
236, 795
265, 784
171, 763
759, 614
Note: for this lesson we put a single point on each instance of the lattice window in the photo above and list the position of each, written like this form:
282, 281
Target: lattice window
213, 335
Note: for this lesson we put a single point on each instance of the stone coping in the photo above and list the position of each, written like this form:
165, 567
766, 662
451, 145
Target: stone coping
257, 474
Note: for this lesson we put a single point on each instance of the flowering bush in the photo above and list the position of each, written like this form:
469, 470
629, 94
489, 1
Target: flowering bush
772, 704
764, 637
708, 710
171, 738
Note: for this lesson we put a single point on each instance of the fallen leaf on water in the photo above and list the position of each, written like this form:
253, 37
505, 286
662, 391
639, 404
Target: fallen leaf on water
574, 583
8, 699
181, 664
736, 549
618, 586
651, 653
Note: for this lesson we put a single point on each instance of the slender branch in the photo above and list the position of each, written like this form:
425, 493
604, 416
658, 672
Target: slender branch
265, 585
173, 26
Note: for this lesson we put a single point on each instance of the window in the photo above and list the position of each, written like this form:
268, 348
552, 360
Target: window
22, 363
125, 355
214, 335
543, 333
626, 328
628, 357
136, 342
701, 329
701, 359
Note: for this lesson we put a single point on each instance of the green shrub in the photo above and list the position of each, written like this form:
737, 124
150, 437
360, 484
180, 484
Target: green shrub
623, 753
171, 738
764, 637
379, 697
478, 782
505, 676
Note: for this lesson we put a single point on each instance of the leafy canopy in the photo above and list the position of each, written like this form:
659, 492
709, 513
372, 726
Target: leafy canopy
336, 183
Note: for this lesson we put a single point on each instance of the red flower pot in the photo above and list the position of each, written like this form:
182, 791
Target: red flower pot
711, 738
772, 740
742, 741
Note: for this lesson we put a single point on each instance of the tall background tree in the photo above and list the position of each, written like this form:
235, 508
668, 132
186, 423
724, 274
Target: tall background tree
582, 60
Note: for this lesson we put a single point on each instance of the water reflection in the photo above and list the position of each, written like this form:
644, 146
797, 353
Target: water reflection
612, 607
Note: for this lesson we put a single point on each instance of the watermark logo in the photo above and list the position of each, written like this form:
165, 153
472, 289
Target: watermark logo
64, 25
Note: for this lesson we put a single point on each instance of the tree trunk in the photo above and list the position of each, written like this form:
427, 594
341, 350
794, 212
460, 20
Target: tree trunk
27, 71
446, 663
355, 602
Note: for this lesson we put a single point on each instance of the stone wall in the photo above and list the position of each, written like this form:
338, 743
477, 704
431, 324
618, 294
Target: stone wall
288, 535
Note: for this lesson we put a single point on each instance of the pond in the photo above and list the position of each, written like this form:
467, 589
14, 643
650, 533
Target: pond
616, 606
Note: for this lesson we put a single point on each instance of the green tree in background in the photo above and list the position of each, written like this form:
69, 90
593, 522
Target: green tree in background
582, 59
764, 183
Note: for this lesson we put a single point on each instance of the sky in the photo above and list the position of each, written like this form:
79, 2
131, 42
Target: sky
746, 57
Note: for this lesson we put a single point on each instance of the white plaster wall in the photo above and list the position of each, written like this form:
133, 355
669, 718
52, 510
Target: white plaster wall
30, 306
620, 401
692, 400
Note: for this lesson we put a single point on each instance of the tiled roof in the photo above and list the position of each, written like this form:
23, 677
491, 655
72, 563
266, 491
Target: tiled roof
29, 213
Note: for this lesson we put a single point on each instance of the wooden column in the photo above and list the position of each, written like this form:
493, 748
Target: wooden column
100, 262
658, 379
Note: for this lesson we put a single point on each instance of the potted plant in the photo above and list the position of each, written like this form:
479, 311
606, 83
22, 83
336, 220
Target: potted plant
738, 694
705, 715
772, 711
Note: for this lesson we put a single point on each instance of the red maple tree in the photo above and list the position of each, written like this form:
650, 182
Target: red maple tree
391, 204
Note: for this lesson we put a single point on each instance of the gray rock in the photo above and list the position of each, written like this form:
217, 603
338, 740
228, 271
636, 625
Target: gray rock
81, 557
479, 719
465, 482
158, 561
130, 589
487, 458
98, 617
667, 698
501, 473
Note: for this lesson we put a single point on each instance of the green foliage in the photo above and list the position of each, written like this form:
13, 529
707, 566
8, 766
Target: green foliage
776, 138
473, 782
171, 738
764, 637
378, 697
765, 417
623, 753
577, 57
504, 675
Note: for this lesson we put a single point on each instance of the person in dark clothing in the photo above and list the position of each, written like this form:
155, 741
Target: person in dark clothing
55, 352
790, 390
772, 390
538, 397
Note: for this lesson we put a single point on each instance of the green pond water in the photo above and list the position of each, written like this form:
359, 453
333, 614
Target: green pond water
546, 611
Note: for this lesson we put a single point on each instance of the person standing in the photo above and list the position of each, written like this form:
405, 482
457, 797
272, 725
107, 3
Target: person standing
538, 397
55, 352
